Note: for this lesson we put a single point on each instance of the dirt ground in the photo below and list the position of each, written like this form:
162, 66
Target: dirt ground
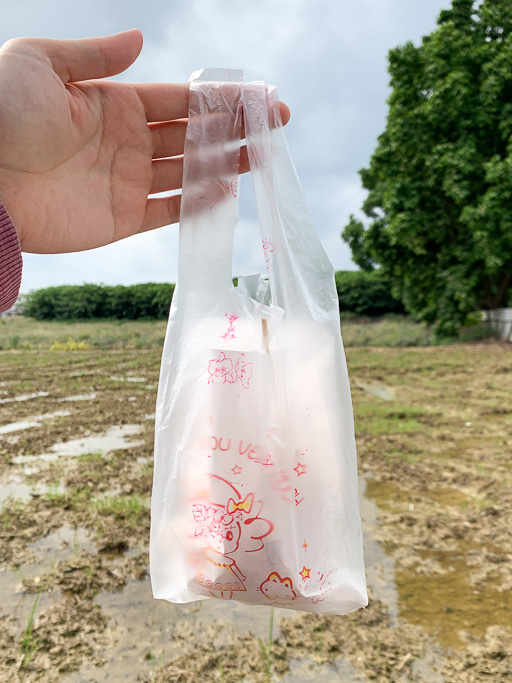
434, 430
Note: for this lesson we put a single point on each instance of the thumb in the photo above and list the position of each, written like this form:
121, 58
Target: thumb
80, 60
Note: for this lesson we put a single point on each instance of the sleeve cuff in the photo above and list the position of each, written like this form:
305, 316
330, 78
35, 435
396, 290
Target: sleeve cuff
10, 261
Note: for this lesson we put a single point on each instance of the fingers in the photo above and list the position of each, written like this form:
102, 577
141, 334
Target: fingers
167, 175
161, 211
168, 138
170, 101
285, 112
163, 101
80, 60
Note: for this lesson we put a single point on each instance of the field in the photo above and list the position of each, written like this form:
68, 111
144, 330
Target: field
434, 431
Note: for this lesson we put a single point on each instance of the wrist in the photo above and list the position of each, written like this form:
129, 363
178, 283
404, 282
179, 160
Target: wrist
10, 260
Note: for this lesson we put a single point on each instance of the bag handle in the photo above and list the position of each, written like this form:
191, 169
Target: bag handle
301, 276
209, 205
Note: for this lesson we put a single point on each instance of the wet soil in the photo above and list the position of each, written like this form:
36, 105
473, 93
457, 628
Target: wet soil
434, 429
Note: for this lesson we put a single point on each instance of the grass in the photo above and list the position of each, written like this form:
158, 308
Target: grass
129, 508
266, 650
26, 333
28, 644
91, 457
19, 333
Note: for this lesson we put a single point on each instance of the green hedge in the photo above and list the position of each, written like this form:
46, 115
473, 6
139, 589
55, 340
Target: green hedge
365, 293
69, 302
358, 292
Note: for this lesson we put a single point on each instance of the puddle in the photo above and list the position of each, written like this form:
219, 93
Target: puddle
377, 390
145, 625
78, 397
461, 447
387, 493
380, 567
144, 460
32, 422
14, 485
129, 378
445, 604
58, 545
24, 397
441, 600
114, 439
62, 544
304, 670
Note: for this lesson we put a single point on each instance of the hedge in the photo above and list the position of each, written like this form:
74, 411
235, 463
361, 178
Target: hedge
365, 293
358, 292
70, 302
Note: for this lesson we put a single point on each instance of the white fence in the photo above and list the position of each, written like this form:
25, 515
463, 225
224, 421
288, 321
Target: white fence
500, 320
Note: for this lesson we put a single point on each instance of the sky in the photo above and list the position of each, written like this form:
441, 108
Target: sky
328, 59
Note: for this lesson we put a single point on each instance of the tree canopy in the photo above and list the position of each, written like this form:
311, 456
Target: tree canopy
439, 182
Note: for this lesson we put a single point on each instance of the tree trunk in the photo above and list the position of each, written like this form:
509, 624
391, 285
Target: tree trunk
495, 292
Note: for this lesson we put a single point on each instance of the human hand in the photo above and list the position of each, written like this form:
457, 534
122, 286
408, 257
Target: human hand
79, 157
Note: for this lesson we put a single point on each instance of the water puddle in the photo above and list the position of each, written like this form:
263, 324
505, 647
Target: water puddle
380, 567
13, 485
128, 378
58, 545
306, 670
147, 628
434, 589
377, 390
116, 438
445, 603
387, 494
24, 397
142, 460
472, 443
78, 397
32, 422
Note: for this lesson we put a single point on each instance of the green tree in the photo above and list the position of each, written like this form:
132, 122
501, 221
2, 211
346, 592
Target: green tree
439, 182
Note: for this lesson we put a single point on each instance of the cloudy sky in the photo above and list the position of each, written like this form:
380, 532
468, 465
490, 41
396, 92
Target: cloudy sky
329, 61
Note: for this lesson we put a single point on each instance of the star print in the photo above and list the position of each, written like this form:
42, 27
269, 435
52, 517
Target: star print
300, 469
236, 470
305, 545
305, 573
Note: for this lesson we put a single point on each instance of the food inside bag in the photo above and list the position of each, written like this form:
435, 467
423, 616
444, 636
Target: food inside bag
255, 494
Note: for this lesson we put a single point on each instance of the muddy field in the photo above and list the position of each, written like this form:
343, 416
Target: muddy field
434, 429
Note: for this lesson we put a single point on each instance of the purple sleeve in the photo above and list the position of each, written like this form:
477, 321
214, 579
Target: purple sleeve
10, 261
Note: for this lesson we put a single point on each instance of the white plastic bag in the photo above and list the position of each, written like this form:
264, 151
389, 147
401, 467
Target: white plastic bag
255, 493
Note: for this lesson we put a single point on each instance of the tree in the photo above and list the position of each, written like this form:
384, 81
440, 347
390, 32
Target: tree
440, 179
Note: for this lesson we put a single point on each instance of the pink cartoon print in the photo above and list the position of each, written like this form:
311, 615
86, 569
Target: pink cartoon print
224, 189
278, 589
223, 370
300, 469
298, 498
268, 248
244, 371
322, 585
230, 333
229, 527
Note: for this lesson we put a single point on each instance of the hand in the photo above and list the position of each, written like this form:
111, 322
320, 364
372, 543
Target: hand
79, 157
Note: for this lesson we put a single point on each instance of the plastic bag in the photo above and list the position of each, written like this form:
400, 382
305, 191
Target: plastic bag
255, 494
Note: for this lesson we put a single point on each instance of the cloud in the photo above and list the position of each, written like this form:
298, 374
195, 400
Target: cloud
329, 60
